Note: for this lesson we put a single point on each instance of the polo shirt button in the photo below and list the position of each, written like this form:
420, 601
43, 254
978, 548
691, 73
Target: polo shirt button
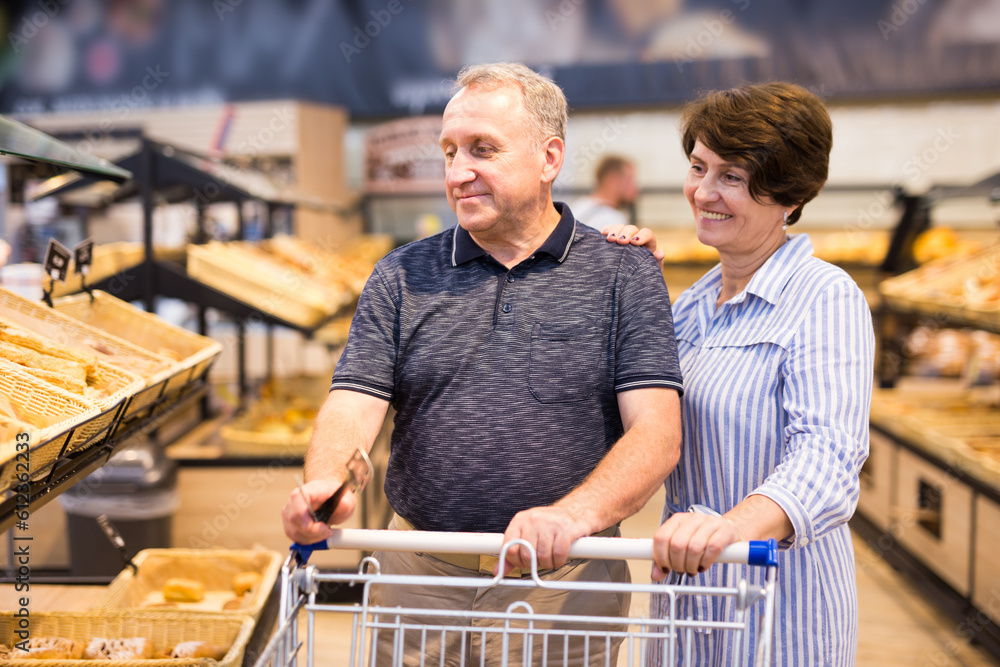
506, 308
510, 279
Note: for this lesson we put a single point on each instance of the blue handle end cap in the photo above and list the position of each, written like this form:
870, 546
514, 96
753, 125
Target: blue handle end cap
763, 552
304, 551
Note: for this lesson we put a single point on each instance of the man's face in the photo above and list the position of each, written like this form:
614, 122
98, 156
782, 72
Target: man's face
493, 169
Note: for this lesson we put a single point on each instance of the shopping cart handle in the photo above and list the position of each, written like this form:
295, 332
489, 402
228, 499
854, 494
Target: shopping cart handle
302, 552
755, 552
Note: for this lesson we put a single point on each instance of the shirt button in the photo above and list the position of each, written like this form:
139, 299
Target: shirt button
804, 541
505, 308
510, 279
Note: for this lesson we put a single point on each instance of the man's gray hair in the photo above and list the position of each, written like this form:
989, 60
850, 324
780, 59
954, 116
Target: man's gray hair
543, 99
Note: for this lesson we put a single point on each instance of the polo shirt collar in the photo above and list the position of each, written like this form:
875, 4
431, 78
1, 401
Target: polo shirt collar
557, 245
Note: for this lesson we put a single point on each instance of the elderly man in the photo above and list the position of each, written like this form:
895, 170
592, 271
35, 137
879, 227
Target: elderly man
532, 367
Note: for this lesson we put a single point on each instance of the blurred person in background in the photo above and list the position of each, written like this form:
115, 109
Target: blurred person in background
777, 352
613, 195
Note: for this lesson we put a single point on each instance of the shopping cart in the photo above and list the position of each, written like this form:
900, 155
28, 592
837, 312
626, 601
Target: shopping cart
518, 627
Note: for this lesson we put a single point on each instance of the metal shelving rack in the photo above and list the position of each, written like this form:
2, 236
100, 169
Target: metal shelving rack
166, 174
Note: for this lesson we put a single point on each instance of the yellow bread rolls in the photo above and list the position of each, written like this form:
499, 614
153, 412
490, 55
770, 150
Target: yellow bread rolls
244, 582
183, 590
197, 650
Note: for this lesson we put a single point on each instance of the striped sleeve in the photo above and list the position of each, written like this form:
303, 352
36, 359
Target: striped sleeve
645, 347
368, 363
827, 386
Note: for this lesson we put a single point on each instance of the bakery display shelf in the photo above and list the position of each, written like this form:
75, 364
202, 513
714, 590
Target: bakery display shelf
962, 289
932, 474
951, 428
172, 281
941, 315
69, 467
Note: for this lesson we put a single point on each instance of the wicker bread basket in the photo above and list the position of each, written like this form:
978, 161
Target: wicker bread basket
54, 412
215, 568
164, 628
48, 323
250, 275
10, 429
238, 441
192, 354
115, 383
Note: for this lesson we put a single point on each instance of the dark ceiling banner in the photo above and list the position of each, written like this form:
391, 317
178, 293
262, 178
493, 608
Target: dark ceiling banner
386, 58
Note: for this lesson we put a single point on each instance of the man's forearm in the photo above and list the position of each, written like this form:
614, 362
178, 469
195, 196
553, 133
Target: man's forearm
636, 466
347, 421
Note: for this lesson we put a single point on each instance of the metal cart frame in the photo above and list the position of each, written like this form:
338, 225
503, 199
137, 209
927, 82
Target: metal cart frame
300, 585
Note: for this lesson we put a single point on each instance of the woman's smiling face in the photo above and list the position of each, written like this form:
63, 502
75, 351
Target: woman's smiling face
727, 217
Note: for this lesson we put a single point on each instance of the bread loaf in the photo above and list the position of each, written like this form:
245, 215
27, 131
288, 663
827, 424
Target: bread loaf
183, 590
128, 648
49, 648
62, 372
197, 650
244, 582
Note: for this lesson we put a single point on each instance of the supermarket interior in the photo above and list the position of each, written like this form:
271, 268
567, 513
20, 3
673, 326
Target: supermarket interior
194, 196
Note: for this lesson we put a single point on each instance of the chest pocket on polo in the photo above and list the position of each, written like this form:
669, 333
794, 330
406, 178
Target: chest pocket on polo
567, 361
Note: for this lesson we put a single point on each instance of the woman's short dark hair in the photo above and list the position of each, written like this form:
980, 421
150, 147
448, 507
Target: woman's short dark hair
780, 133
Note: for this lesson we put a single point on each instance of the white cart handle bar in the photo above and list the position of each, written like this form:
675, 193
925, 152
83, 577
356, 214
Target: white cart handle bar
755, 552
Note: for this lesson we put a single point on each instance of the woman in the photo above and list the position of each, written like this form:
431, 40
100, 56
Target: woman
777, 352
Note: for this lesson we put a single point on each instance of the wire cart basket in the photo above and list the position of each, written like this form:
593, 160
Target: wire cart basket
522, 635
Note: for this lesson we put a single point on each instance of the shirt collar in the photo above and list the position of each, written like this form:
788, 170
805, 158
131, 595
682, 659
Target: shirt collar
770, 279
557, 245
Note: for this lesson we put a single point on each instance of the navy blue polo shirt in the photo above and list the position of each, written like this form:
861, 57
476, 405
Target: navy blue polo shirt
504, 381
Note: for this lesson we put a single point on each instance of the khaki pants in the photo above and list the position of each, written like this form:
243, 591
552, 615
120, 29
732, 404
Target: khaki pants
408, 649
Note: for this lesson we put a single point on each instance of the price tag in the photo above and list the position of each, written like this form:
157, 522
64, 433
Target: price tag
57, 260
83, 256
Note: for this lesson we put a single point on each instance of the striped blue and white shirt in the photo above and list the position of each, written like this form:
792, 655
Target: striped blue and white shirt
778, 384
